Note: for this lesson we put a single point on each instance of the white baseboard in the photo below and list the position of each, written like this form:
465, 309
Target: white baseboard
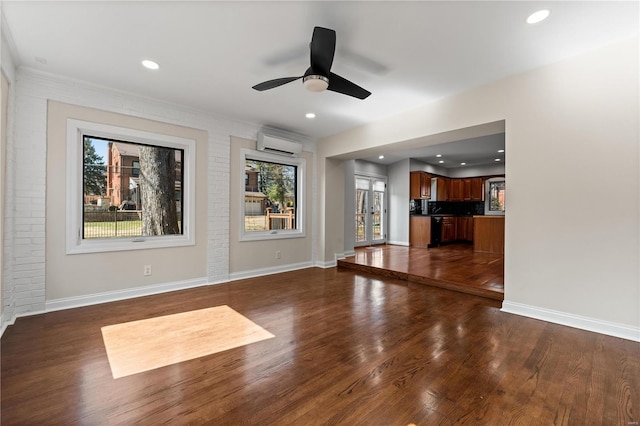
268, 271
325, 265
576, 321
112, 296
398, 243
349, 253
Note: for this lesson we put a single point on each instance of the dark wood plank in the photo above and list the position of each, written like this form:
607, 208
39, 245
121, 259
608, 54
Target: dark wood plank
350, 348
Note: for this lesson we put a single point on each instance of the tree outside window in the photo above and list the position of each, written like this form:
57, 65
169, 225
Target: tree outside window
138, 192
270, 195
496, 196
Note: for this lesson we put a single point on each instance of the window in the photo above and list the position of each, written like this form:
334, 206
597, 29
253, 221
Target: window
123, 213
494, 204
271, 205
135, 169
128, 189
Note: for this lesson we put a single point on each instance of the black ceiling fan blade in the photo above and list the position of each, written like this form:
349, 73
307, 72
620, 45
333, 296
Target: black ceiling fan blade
323, 47
342, 85
266, 85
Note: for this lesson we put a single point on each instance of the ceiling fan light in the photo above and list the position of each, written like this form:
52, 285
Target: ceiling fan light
315, 83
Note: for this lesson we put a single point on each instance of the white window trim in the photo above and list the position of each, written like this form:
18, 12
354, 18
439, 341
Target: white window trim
75, 244
487, 198
274, 234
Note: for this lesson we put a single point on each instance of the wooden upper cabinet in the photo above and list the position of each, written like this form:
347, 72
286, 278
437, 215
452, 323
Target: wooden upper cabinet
469, 189
414, 185
466, 189
419, 185
455, 190
476, 189
442, 189
425, 185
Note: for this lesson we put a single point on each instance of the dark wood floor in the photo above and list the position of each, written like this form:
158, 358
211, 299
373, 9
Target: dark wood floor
350, 348
455, 267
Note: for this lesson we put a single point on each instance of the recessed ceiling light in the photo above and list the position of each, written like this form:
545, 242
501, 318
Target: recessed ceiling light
310, 115
538, 16
463, 164
150, 64
380, 157
441, 161
501, 150
497, 159
439, 155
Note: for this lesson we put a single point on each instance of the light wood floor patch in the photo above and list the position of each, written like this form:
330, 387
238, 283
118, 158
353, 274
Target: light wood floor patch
137, 346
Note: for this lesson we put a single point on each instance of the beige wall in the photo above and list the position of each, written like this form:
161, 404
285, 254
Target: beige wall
248, 256
84, 274
572, 225
4, 111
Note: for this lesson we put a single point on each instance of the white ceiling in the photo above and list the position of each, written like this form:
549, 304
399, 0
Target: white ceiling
211, 53
475, 152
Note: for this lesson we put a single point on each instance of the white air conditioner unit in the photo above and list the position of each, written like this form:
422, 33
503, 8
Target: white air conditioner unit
277, 145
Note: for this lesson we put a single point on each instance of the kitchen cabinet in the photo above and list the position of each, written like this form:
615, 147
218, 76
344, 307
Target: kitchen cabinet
476, 189
455, 190
441, 187
464, 228
469, 225
488, 234
468, 189
448, 229
419, 185
419, 231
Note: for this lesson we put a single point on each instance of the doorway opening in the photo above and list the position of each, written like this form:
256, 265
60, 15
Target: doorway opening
371, 210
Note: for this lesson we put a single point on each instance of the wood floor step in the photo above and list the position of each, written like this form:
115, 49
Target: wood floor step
448, 285
456, 267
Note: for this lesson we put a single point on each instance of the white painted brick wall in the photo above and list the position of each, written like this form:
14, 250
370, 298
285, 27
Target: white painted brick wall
26, 183
28, 200
8, 69
7, 245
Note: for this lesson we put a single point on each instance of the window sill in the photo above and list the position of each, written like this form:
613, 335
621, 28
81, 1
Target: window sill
101, 245
271, 235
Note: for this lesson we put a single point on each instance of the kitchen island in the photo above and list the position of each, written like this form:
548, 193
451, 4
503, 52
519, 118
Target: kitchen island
488, 234
419, 231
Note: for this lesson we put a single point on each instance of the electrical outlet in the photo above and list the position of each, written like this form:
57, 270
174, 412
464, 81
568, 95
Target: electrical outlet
147, 270
278, 255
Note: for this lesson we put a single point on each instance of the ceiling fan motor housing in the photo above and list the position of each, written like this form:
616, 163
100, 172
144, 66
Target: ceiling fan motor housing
315, 82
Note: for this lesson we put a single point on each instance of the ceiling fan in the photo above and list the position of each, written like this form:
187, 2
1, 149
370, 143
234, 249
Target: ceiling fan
318, 76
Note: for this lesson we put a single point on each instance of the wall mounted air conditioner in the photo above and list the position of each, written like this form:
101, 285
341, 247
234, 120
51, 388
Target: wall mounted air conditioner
278, 145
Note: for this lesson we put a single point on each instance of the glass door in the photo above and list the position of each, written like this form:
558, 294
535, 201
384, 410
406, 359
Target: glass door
370, 210
378, 210
362, 207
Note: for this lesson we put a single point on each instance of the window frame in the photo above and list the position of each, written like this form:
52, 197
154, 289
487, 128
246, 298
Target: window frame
135, 171
487, 202
75, 243
274, 234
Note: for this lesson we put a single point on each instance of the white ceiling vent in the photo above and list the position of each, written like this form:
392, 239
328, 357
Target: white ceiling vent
278, 145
